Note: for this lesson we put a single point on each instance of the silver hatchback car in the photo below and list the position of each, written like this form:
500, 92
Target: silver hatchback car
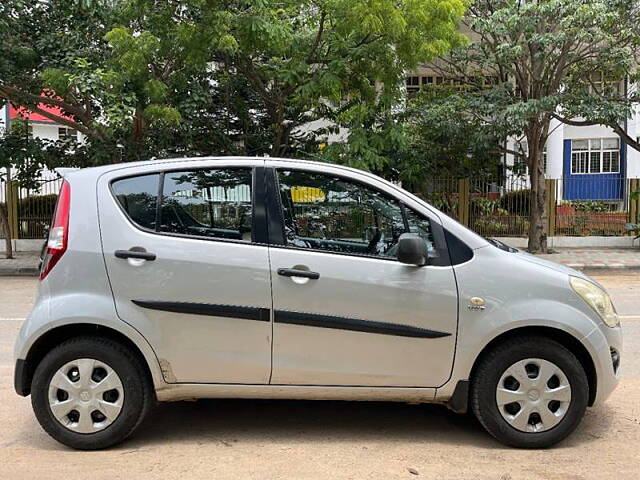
274, 278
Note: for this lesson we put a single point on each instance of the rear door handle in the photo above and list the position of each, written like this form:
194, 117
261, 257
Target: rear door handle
292, 272
135, 254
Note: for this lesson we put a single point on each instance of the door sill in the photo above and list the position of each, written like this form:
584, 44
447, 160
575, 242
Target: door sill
190, 391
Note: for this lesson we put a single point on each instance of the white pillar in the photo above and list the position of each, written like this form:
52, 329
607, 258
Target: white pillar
633, 129
555, 149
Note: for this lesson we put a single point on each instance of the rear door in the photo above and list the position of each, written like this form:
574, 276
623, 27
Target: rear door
346, 312
186, 255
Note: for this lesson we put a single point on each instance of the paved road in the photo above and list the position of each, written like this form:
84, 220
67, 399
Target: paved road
326, 440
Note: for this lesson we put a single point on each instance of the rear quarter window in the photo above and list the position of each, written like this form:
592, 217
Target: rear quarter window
138, 197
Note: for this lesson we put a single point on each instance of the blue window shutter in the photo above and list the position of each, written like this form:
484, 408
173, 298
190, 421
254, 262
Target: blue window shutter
623, 159
567, 158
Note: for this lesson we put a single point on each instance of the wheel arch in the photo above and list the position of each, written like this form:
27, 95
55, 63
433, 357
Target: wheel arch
58, 334
567, 340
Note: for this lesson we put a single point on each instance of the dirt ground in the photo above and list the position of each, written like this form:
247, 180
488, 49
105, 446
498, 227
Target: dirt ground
236, 439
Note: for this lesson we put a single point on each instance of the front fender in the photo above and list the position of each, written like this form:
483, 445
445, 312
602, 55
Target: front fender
517, 294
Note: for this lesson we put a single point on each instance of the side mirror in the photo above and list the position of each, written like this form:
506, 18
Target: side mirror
412, 249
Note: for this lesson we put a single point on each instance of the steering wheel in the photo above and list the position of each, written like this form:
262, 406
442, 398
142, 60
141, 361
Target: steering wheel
375, 239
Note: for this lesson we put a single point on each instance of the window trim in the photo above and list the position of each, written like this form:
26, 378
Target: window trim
601, 151
66, 136
442, 260
258, 216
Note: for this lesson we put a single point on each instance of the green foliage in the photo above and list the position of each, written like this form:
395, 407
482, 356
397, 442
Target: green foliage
488, 217
501, 226
589, 206
443, 140
517, 202
527, 63
341, 61
485, 206
144, 78
633, 229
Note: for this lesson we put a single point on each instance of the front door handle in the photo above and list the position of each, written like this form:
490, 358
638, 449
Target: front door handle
135, 254
293, 272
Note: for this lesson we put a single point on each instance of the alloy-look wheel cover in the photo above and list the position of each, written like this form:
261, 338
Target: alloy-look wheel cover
533, 395
86, 395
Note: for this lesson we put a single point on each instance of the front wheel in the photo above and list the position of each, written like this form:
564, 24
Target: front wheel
90, 393
529, 392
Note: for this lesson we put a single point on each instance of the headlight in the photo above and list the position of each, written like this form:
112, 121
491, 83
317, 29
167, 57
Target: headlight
597, 299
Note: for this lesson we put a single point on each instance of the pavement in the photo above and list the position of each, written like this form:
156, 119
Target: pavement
597, 258
22, 264
588, 259
251, 439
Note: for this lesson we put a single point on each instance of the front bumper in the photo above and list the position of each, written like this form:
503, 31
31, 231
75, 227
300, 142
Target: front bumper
607, 344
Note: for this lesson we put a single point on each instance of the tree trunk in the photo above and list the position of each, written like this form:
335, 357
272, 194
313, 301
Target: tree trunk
279, 144
538, 214
4, 227
137, 136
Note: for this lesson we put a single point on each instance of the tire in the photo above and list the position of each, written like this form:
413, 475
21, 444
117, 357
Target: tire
125, 405
521, 357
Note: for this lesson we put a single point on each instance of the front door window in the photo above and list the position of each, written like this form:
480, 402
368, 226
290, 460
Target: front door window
323, 212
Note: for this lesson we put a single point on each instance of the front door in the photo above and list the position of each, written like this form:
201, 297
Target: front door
346, 312
187, 268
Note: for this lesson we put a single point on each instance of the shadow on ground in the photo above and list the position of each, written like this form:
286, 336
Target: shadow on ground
229, 422
273, 421
307, 421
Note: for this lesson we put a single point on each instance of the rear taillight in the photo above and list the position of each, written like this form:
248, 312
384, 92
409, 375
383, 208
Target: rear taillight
59, 233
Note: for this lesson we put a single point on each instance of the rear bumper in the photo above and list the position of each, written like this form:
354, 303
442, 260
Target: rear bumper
21, 380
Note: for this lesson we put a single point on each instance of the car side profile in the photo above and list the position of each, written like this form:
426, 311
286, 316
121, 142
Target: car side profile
273, 278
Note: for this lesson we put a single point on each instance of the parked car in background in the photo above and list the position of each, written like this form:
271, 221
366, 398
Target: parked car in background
275, 278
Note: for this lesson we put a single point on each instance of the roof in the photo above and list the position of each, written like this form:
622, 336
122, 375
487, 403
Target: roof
22, 113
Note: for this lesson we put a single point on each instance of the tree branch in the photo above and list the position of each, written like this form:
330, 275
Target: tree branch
618, 129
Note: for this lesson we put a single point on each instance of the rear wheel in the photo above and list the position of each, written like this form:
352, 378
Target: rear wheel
529, 392
90, 393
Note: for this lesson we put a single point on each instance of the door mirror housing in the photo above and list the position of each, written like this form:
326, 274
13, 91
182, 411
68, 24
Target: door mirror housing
412, 249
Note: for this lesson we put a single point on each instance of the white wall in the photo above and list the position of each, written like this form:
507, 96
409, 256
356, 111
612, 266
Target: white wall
633, 156
4, 112
45, 132
591, 131
49, 132
555, 149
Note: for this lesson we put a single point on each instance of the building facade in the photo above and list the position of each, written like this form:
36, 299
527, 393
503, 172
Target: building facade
39, 125
591, 162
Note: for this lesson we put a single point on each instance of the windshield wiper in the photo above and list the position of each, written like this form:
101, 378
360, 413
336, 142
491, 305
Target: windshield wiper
501, 245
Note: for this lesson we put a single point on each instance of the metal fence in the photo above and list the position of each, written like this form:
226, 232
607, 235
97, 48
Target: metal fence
578, 206
29, 211
499, 209
593, 206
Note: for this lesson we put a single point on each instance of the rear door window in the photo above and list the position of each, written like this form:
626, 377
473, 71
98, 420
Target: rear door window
213, 203
138, 197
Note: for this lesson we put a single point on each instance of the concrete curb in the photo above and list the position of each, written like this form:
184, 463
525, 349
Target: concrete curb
19, 272
602, 269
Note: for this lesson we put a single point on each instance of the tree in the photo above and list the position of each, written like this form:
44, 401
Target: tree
22, 158
336, 62
527, 62
243, 76
117, 71
44, 38
442, 143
